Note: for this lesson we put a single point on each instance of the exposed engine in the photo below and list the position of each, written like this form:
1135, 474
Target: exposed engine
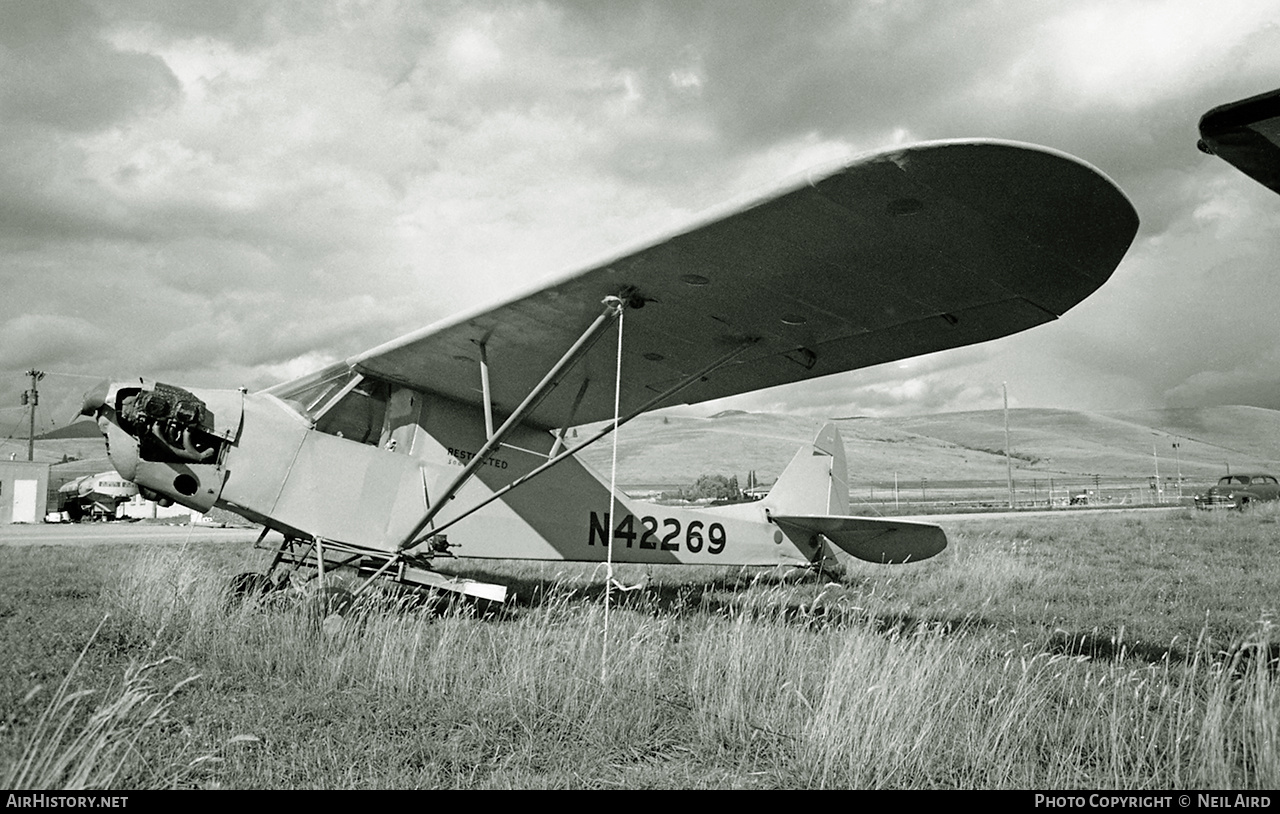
170, 423
166, 439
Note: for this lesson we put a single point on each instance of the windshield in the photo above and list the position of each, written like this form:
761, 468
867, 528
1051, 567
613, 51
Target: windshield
357, 416
309, 393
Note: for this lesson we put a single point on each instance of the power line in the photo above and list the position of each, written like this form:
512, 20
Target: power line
15, 429
74, 375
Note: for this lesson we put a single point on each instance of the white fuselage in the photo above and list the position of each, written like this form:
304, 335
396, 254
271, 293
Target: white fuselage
275, 467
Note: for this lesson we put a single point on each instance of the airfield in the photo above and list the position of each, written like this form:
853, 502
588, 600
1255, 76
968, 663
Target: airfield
1116, 647
1121, 650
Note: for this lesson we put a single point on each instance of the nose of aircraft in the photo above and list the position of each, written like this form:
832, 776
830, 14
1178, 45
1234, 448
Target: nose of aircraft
122, 448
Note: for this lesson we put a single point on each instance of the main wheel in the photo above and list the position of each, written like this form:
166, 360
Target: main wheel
334, 600
247, 586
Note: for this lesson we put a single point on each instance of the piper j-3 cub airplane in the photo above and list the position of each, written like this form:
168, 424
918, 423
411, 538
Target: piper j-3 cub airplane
451, 441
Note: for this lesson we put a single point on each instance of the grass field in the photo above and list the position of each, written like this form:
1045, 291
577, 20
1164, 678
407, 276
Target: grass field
1119, 651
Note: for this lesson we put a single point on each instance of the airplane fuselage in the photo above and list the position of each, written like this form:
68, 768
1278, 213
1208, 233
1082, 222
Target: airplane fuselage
368, 480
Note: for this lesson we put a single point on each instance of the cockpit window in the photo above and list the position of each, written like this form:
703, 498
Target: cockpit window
310, 393
359, 412
358, 415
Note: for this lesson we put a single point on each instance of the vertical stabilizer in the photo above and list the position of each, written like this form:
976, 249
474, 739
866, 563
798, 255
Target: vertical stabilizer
817, 479
810, 504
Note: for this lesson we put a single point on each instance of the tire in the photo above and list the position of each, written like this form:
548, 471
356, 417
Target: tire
246, 587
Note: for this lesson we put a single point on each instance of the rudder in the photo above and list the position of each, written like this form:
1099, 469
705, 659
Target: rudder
817, 479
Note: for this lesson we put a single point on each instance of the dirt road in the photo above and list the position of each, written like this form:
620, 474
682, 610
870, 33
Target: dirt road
87, 534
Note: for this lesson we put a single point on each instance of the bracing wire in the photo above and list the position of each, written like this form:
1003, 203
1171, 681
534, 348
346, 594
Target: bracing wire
17, 426
613, 502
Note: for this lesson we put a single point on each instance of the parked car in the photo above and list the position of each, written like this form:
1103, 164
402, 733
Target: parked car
1238, 491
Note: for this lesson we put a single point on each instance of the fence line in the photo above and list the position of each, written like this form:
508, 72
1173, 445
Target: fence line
1044, 492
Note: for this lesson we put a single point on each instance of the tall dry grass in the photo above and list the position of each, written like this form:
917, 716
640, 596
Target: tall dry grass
1030, 654
77, 744
819, 694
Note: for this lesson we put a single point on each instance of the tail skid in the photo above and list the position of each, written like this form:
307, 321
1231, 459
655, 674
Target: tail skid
811, 501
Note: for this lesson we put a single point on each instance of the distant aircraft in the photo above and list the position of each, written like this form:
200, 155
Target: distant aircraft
1246, 134
95, 497
452, 440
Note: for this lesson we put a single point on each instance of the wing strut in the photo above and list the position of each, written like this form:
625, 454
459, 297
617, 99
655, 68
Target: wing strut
612, 307
410, 542
484, 385
608, 428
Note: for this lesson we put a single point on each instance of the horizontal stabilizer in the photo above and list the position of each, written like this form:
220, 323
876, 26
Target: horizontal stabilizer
870, 539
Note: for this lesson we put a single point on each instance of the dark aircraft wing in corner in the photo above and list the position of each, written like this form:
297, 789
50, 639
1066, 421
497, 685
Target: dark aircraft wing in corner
1246, 134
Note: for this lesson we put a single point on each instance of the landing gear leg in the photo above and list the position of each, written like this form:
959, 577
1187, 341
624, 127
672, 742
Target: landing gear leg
252, 585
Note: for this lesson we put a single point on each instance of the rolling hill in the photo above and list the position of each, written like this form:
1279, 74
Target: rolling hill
657, 451
665, 451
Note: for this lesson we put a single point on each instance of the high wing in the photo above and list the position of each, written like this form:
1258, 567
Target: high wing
896, 254
1246, 134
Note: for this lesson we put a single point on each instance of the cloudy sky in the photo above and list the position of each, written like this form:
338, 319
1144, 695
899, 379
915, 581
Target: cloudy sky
226, 194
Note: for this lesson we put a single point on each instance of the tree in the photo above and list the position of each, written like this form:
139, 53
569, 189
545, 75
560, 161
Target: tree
714, 487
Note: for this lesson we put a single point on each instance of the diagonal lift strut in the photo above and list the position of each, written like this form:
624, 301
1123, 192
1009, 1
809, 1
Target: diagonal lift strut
651, 404
612, 308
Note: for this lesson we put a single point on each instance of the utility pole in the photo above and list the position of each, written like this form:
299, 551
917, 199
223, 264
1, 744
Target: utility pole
1178, 460
1159, 491
1008, 465
32, 398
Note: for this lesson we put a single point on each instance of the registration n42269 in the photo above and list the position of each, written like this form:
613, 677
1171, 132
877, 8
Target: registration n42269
659, 534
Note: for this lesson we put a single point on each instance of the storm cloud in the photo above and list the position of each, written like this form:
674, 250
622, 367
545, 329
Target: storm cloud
230, 194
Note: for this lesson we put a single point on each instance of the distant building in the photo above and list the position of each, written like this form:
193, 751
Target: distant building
24, 487
139, 508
